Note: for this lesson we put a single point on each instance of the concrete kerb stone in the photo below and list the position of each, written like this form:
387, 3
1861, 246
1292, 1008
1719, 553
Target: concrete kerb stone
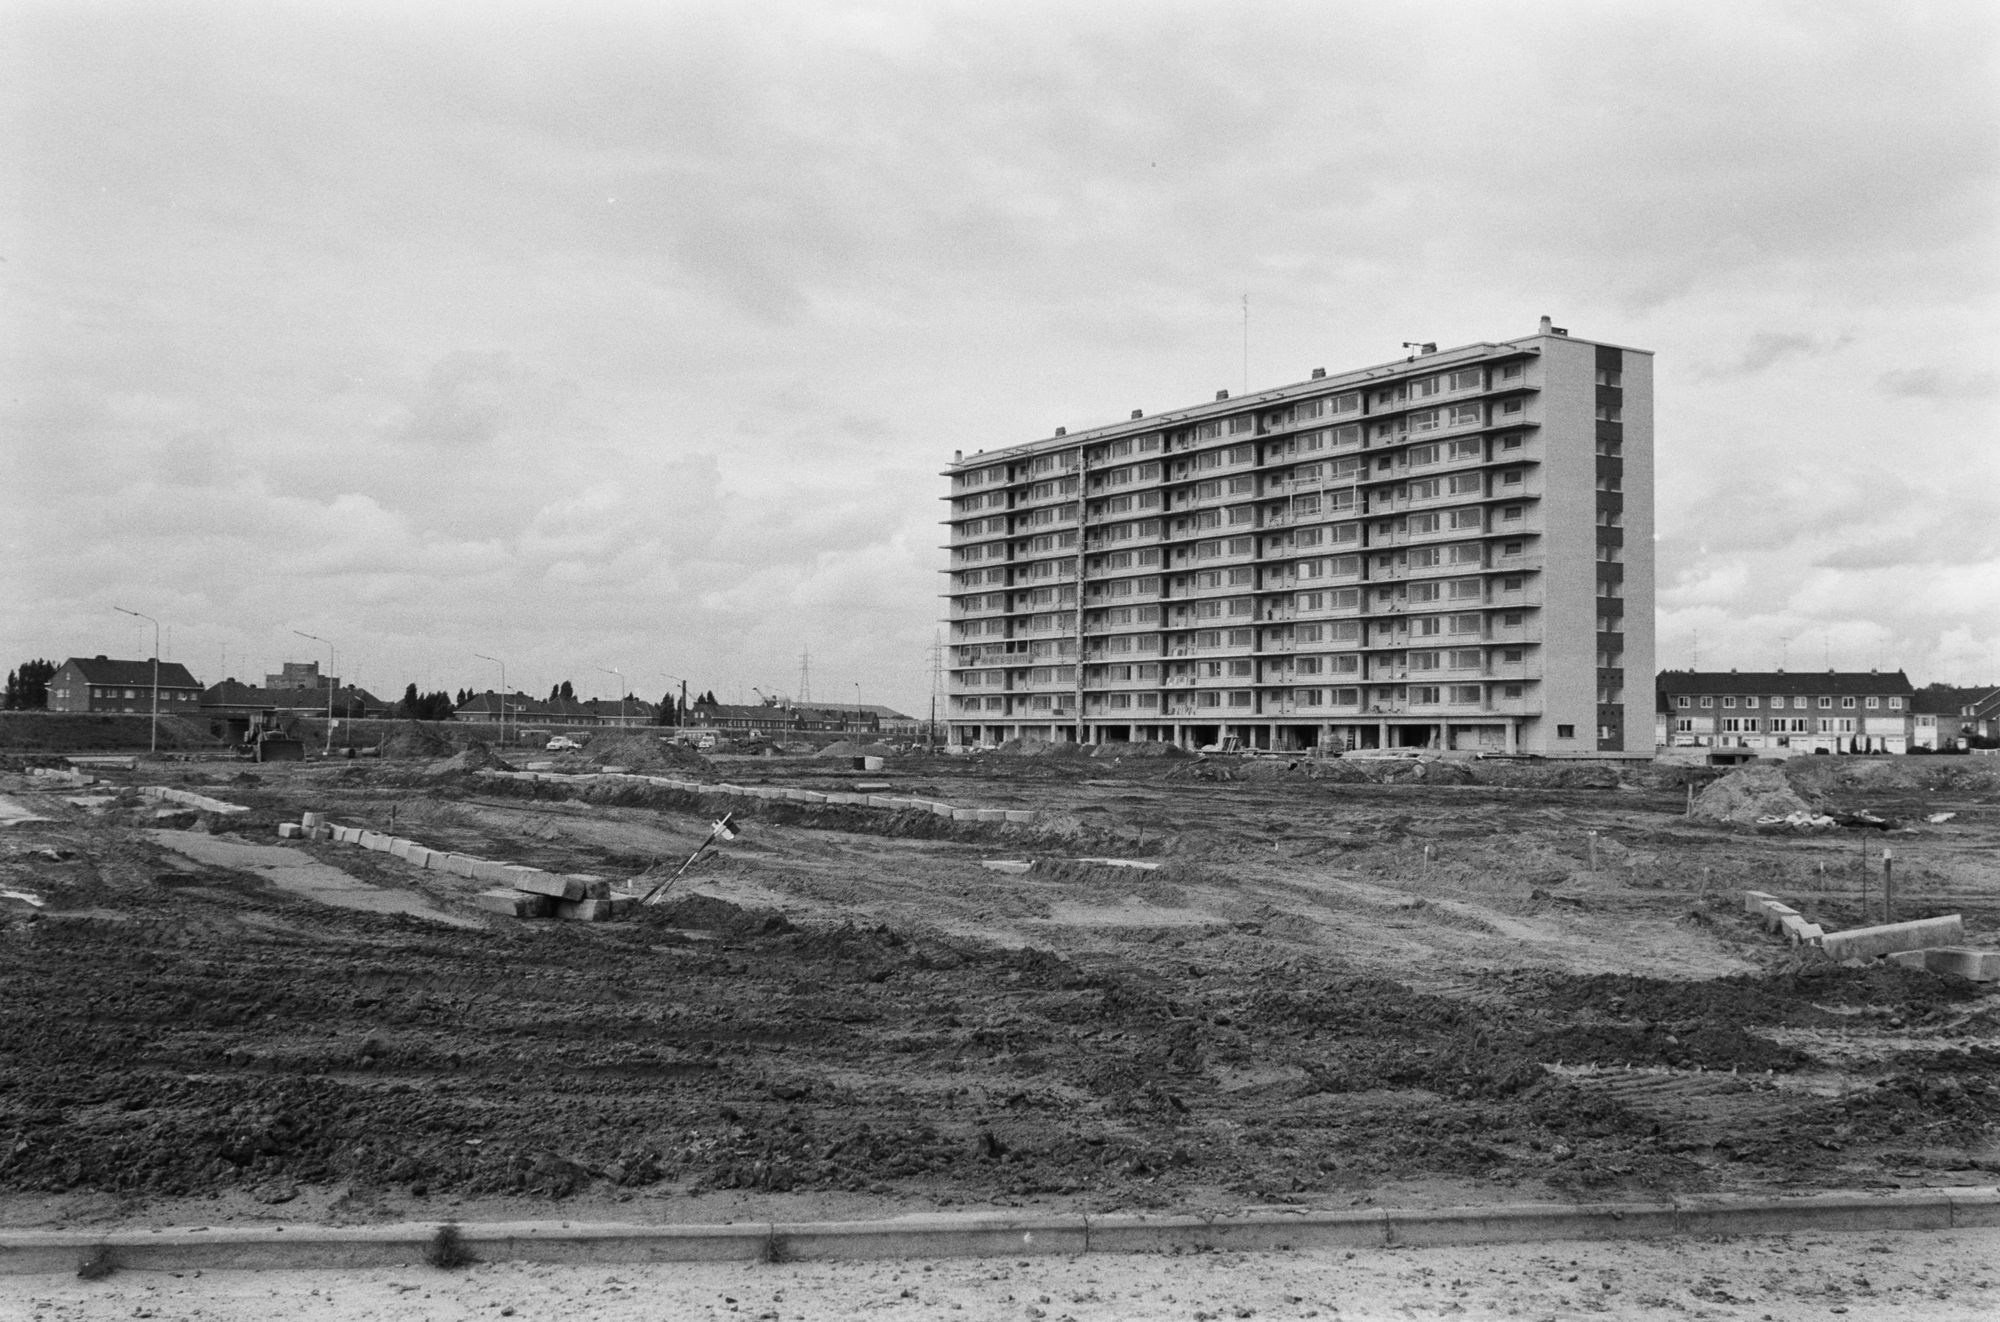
1249, 1232
1497, 1225
1912, 1209
978, 1235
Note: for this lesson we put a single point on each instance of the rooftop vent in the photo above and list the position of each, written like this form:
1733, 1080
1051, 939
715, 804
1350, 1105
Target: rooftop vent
1319, 374
958, 456
1421, 346
1138, 413
1550, 328
1062, 431
1222, 394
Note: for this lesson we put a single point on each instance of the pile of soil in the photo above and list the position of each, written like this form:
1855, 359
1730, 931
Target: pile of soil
1748, 794
420, 739
477, 757
644, 752
1042, 748
1150, 748
848, 748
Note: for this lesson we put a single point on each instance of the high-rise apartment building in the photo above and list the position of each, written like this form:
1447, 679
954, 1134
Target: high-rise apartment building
1453, 550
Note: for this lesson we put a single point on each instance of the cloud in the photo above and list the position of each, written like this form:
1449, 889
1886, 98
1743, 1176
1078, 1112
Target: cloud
1936, 383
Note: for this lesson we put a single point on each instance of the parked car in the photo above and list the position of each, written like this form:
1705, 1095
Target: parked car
562, 743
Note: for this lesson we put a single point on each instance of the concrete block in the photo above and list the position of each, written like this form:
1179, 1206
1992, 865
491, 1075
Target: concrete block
992, 814
1775, 915
942, 809
811, 796
319, 833
583, 911
623, 906
872, 787
536, 882
515, 904
312, 819
1754, 901
1964, 962
1800, 932
1974, 1207
290, 830
400, 847
1006, 864
462, 865
1909, 959
375, 840
594, 886
1022, 815
965, 814
1869, 942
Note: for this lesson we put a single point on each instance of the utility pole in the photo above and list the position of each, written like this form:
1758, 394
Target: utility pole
503, 692
154, 746
331, 666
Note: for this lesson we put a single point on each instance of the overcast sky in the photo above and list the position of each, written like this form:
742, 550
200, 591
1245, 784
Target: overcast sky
634, 337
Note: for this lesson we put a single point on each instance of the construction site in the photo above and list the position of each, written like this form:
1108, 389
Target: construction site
1128, 981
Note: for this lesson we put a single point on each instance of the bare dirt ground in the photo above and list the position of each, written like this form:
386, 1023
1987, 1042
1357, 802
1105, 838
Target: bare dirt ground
1948, 1277
1342, 985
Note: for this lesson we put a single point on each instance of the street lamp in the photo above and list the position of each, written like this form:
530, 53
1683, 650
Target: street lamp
673, 678
623, 689
155, 746
331, 666
857, 705
503, 692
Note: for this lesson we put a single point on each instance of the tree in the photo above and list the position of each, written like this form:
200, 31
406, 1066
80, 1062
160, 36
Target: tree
668, 713
28, 688
562, 693
708, 699
407, 708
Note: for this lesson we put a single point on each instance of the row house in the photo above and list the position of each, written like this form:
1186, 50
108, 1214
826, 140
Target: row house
1785, 712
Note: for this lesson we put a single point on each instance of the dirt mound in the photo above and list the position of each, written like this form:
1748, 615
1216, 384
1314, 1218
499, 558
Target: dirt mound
1748, 794
1149, 748
1545, 775
419, 740
1042, 748
643, 752
848, 748
478, 757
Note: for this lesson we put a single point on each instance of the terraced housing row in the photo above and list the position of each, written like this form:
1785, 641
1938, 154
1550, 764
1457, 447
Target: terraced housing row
1450, 551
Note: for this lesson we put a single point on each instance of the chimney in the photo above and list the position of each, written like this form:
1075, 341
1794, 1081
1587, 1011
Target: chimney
1548, 325
1062, 431
1319, 374
1138, 413
1222, 394
958, 456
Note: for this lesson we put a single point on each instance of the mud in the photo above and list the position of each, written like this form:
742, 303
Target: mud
1329, 987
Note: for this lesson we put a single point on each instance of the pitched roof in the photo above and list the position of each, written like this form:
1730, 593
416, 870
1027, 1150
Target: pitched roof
231, 693
1789, 684
104, 670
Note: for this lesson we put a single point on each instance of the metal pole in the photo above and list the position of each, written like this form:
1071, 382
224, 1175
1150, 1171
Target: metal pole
331, 666
622, 690
1888, 888
154, 745
503, 693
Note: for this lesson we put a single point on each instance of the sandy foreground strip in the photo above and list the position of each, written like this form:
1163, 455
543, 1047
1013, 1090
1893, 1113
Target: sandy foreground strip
1936, 1277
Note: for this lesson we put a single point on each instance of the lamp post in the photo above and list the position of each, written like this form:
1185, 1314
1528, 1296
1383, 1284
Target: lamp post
154, 746
331, 666
680, 711
623, 689
503, 692
857, 705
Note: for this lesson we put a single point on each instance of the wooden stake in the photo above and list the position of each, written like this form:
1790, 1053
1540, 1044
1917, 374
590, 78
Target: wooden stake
1888, 888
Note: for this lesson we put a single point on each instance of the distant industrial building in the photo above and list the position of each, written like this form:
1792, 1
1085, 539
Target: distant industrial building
1451, 551
102, 684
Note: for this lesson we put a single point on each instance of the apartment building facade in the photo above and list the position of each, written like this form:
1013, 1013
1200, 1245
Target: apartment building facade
1449, 551
1779, 712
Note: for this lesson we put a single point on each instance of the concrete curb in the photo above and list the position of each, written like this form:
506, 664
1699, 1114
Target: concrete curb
260, 1248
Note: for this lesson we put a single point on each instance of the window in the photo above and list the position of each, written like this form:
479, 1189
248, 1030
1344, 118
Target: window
1798, 704
1873, 703
1895, 704
1826, 703
1847, 704
1565, 732
1729, 702
1683, 702
1707, 701
1750, 702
